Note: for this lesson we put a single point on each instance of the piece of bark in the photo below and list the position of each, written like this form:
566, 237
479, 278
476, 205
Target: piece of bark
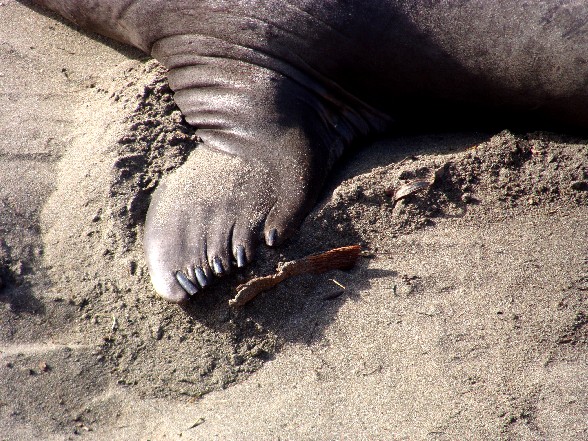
337, 258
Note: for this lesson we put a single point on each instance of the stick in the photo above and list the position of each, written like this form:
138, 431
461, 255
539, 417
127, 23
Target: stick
337, 258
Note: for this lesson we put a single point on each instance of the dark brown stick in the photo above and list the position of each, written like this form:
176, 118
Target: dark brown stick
337, 258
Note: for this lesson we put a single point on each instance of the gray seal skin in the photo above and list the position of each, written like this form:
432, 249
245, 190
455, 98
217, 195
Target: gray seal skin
278, 89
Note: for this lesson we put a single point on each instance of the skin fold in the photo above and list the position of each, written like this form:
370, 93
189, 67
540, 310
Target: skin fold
279, 89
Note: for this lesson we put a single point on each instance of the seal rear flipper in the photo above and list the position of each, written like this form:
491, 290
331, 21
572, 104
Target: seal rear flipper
269, 142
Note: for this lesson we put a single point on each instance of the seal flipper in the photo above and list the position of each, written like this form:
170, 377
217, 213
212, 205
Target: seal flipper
269, 143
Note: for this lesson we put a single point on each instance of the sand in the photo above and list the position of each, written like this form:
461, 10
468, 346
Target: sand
466, 317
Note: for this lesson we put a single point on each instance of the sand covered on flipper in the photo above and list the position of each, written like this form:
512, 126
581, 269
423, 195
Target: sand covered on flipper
465, 318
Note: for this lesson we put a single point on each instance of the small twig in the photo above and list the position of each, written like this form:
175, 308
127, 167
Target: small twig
338, 293
338, 258
338, 284
198, 422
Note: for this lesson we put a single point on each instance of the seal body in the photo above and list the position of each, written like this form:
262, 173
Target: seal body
279, 89
390, 55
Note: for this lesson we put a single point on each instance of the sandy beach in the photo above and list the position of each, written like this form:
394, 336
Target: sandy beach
466, 317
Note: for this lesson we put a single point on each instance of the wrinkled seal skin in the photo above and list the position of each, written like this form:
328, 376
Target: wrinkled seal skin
279, 88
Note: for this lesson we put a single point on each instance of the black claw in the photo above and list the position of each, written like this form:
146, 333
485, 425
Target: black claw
240, 256
185, 283
201, 277
271, 238
217, 266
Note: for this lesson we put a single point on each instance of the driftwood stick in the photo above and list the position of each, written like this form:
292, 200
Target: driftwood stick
337, 258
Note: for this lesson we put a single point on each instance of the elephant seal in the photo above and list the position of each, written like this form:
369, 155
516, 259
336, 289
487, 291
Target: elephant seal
278, 89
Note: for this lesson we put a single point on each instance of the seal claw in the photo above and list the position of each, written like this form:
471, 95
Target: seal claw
271, 237
201, 277
185, 283
217, 266
240, 256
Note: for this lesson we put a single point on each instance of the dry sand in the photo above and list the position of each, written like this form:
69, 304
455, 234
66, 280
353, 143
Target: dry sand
466, 319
